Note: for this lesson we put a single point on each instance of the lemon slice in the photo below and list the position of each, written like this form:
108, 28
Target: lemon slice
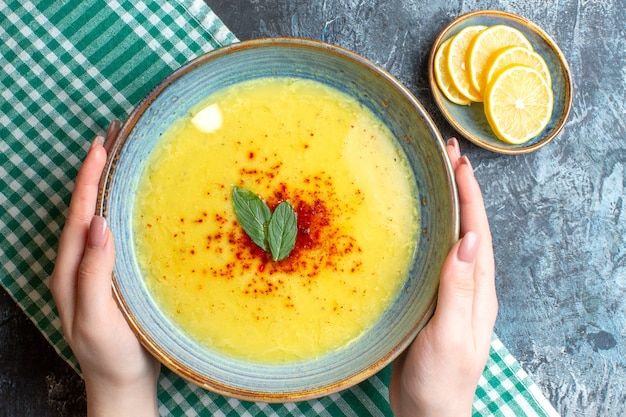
517, 55
518, 104
456, 61
442, 76
486, 43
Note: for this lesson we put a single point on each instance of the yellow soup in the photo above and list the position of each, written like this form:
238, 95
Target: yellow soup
290, 140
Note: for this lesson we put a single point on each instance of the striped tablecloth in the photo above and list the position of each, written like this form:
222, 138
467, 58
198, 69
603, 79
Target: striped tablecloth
67, 69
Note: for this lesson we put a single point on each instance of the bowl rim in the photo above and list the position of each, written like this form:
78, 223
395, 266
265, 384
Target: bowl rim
117, 145
438, 96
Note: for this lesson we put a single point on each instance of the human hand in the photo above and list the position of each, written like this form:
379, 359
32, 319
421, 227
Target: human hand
120, 375
438, 374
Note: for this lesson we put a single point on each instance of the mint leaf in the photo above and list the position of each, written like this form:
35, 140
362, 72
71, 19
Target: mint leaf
253, 215
273, 232
282, 230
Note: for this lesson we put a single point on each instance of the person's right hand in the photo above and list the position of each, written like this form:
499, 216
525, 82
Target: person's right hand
438, 374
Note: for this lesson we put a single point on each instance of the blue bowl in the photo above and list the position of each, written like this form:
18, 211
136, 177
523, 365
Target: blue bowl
470, 121
416, 134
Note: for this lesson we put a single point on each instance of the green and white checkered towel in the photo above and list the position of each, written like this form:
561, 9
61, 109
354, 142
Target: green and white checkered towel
70, 67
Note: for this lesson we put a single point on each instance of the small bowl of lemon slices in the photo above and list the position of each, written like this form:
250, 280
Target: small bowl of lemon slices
501, 81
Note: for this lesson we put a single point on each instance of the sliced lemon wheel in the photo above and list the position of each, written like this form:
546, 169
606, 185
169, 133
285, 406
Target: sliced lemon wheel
456, 61
442, 76
486, 43
518, 104
517, 55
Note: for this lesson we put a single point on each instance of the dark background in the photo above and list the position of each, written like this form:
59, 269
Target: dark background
557, 214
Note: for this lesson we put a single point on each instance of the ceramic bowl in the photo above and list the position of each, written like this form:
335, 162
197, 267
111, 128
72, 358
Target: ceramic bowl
439, 227
470, 121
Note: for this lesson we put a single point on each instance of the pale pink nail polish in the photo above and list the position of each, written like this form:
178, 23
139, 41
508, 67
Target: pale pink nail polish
98, 141
469, 247
455, 144
113, 130
465, 160
97, 231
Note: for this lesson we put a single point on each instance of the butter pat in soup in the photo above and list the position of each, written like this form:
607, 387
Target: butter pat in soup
290, 140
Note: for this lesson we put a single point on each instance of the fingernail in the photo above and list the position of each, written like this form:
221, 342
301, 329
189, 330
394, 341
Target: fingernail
98, 141
469, 247
455, 144
97, 231
465, 160
113, 130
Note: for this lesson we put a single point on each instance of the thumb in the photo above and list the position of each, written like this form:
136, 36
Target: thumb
456, 287
94, 294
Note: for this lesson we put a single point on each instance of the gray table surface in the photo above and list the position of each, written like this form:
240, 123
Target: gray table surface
558, 215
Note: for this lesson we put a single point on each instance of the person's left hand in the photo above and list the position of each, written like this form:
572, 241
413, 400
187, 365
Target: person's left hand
120, 375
